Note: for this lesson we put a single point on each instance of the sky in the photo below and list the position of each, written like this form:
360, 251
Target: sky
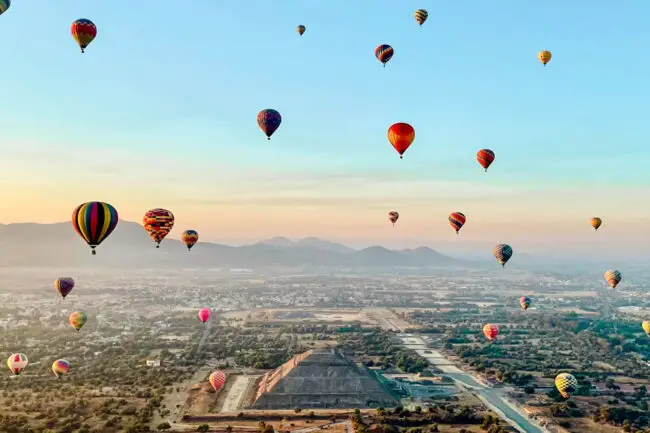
161, 112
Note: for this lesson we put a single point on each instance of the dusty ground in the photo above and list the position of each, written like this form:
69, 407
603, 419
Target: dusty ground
582, 425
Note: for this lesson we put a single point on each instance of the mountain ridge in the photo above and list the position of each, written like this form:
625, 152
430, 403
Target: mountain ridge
57, 244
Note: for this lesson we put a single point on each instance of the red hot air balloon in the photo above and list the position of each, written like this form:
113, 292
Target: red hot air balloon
401, 135
84, 32
491, 331
217, 379
485, 157
204, 315
457, 220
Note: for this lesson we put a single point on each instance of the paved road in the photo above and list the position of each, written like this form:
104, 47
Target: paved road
492, 397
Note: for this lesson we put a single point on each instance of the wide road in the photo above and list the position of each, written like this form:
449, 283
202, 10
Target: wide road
493, 397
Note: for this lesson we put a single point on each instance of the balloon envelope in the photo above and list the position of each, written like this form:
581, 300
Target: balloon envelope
502, 253
401, 135
158, 223
77, 319
190, 238
269, 121
613, 277
64, 286
60, 366
94, 221
485, 157
217, 380
17, 362
566, 383
491, 331
83, 31
204, 314
457, 220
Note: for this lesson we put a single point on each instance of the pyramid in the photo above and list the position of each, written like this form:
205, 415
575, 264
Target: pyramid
320, 379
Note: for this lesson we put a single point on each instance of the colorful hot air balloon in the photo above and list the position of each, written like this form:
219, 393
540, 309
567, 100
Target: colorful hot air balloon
94, 221
4, 5
525, 301
217, 379
646, 326
301, 29
485, 157
491, 331
189, 238
77, 319
204, 315
566, 383
502, 253
613, 277
64, 286
457, 220
158, 223
401, 135
83, 31
384, 53
269, 121
596, 223
60, 367
17, 363
544, 57
421, 16
393, 216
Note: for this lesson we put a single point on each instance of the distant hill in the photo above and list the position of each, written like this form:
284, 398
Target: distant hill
30, 244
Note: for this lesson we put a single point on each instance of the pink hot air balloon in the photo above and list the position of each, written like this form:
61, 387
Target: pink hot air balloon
204, 314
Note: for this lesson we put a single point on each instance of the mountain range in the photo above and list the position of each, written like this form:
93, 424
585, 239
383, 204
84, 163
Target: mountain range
31, 244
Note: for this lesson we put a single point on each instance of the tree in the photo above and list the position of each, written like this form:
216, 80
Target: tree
297, 410
203, 428
164, 426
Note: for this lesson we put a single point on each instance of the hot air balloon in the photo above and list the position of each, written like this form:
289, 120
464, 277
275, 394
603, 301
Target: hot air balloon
189, 238
77, 319
421, 16
566, 383
457, 220
596, 222
269, 121
158, 223
217, 379
485, 157
94, 221
83, 31
544, 56
301, 29
4, 5
204, 315
60, 367
393, 216
502, 253
384, 53
491, 331
646, 326
64, 286
613, 277
401, 135
525, 301
17, 363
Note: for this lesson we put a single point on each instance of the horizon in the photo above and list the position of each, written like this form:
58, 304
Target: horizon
569, 137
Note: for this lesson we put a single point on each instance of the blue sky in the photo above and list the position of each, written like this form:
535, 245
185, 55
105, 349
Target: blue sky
166, 98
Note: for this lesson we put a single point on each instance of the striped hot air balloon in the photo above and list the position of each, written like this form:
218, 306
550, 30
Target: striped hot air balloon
393, 216
457, 220
384, 53
421, 16
158, 223
4, 5
94, 221
64, 286
17, 363
60, 367
524, 301
84, 32
190, 238
485, 157
77, 319
502, 253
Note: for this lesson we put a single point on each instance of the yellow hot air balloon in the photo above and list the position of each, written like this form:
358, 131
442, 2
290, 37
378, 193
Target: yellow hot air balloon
596, 222
566, 383
421, 16
646, 326
544, 56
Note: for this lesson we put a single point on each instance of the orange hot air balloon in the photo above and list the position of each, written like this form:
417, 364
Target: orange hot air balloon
596, 223
491, 331
544, 56
485, 157
401, 135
